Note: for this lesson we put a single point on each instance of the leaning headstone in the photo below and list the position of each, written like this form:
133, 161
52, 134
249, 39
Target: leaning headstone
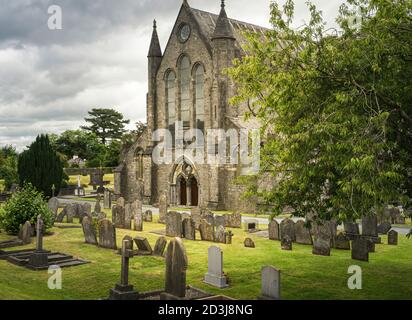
207, 231
107, 234
174, 224
287, 228
25, 233
270, 284
89, 231
138, 222
248, 243
143, 246
322, 238
274, 230
163, 205
286, 243
176, 266
53, 205
342, 242
302, 233
392, 238
215, 276
384, 227
160, 247
360, 249
148, 216
189, 229
220, 236
107, 199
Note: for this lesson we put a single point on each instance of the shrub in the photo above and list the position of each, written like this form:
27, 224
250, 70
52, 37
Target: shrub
24, 205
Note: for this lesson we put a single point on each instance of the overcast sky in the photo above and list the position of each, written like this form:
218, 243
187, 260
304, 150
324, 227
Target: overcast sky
50, 79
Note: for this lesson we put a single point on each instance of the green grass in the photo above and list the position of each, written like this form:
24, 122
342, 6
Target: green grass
85, 180
388, 275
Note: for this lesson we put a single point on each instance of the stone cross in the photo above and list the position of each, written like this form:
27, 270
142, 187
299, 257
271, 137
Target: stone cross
176, 266
126, 255
39, 236
270, 284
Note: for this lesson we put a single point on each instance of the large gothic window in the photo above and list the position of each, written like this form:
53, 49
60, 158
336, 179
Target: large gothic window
171, 100
185, 91
199, 98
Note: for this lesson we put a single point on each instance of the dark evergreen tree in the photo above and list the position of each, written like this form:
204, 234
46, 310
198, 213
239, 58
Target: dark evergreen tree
41, 166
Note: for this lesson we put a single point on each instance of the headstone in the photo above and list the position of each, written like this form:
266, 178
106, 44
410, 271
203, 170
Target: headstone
143, 246
101, 216
302, 233
321, 238
233, 220
333, 225
287, 228
163, 205
160, 246
148, 216
351, 229
209, 217
89, 231
97, 206
207, 232
128, 216
215, 276
138, 222
53, 205
342, 242
25, 234
220, 221
220, 236
189, 229
87, 208
274, 230
174, 224
370, 226
229, 236
107, 234
270, 284
71, 211
384, 227
118, 216
107, 199
249, 243
392, 238
121, 202
251, 225
196, 215
360, 249
286, 243
176, 266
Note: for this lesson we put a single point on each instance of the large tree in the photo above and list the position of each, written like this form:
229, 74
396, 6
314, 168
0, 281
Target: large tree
8, 166
41, 166
337, 105
107, 124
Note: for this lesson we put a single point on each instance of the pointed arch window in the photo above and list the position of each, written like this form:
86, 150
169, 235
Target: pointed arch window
199, 98
185, 91
171, 101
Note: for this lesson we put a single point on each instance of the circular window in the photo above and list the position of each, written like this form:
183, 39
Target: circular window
184, 32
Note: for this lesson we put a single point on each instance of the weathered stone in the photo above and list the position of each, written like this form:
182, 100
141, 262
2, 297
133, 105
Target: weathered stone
189, 229
233, 220
220, 235
371, 245
286, 243
209, 217
107, 234
360, 249
251, 225
101, 216
121, 202
215, 276
163, 205
138, 222
370, 225
220, 221
160, 246
53, 205
97, 206
143, 246
342, 242
176, 266
61, 216
270, 284
25, 233
392, 238
174, 224
287, 228
107, 199
207, 232
351, 229
89, 231
322, 235
249, 243
118, 216
71, 212
196, 215
302, 233
228, 237
274, 230
148, 216
384, 227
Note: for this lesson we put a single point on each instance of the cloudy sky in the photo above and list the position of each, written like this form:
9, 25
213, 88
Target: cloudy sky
49, 79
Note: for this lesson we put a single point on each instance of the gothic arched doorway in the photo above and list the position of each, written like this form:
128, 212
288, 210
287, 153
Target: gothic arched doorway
194, 190
184, 184
183, 191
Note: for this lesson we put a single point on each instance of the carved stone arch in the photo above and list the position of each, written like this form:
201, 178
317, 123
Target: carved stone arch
168, 72
195, 66
180, 58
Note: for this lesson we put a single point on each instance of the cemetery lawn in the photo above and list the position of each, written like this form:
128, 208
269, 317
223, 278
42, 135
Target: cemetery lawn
388, 275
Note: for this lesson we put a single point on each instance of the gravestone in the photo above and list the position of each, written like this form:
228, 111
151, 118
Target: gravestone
123, 290
228, 237
351, 229
342, 242
189, 229
287, 228
148, 216
89, 231
174, 224
53, 205
274, 230
121, 202
101, 216
220, 221
392, 238
233, 220
97, 206
118, 216
160, 246
196, 215
270, 284
176, 266
25, 233
138, 222
220, 236
370, 226
107, 234
128, 216
163, 205
286, 243
107, 199
87, 208
209, 217
360, 249
215, 276
302, 233
251, 225
207, 232
384, 227
249, 243
39, 259
71, 211
321, 238
143, 246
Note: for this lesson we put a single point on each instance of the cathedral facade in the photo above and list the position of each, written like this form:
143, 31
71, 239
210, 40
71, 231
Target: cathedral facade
188, 84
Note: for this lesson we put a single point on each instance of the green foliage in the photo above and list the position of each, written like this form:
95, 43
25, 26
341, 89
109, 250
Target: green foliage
41, 166
24, 205
107, 124
8, 166
129, 138
335, 107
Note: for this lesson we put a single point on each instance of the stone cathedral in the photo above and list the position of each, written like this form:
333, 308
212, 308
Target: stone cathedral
187, 83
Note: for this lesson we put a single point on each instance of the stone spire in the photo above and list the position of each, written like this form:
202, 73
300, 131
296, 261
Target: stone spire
223, 28
155, 50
